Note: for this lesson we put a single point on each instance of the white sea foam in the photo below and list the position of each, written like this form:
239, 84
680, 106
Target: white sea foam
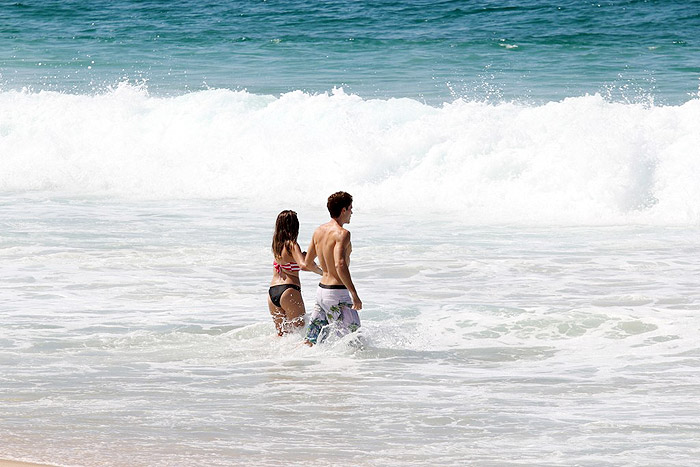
143, 326
581, 160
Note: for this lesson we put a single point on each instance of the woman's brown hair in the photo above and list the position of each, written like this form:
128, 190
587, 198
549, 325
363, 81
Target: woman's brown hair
286, 233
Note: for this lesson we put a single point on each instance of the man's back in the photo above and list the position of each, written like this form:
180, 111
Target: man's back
331, 244
333, 247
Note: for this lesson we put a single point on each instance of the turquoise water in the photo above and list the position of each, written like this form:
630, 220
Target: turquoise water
427, 50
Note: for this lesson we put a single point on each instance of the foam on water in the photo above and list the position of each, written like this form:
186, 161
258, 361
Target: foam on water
580, 160
143, 326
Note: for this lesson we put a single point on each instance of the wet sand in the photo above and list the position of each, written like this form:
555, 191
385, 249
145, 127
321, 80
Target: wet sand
6, 463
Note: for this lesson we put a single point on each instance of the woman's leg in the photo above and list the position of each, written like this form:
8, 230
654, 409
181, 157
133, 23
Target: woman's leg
293, 306
277, 315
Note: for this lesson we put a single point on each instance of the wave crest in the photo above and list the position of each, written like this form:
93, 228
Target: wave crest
580, 160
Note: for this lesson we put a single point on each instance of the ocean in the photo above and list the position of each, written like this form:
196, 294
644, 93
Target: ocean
525, 231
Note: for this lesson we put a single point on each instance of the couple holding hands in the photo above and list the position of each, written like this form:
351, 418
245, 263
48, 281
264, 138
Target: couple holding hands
337, 302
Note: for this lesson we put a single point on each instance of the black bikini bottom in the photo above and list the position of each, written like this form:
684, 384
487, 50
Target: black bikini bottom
276, 292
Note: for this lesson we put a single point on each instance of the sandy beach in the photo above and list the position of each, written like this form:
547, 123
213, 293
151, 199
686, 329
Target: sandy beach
8, 463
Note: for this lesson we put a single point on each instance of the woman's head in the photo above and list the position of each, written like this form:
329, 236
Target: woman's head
286, 232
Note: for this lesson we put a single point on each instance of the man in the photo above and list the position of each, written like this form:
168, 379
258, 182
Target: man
337, 302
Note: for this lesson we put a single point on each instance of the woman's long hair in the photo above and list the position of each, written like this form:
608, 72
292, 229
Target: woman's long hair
286, 233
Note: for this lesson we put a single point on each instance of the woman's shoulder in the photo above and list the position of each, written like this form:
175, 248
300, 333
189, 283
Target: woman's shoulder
287, 254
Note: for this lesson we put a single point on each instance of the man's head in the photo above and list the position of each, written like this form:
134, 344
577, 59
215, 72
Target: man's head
340, 204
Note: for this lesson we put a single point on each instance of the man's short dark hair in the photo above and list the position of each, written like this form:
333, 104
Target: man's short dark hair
338, 201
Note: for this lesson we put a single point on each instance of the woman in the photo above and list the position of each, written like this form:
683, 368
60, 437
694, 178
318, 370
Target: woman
284, 297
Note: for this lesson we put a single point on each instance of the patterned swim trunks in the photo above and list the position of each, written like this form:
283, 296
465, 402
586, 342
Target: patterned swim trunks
333, 314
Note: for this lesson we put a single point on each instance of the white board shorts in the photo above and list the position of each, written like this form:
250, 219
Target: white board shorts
333, 314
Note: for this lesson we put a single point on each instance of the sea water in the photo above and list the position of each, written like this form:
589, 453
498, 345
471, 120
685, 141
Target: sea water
525, 235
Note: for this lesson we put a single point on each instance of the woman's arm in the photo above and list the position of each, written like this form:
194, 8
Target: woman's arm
300, 259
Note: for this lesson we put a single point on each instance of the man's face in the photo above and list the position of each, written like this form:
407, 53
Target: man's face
347, 212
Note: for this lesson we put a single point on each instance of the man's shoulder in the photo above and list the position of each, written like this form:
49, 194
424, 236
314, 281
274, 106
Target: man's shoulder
321, 229
332, 230
343, 234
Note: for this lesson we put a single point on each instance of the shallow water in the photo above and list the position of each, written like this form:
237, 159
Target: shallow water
137, 333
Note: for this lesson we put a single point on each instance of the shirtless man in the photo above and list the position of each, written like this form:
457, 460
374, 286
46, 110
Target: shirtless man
337, 302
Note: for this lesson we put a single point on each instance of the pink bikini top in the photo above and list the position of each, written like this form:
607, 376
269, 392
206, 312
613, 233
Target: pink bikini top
290, 266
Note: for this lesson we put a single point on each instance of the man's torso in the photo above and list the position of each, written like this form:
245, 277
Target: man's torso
326, 238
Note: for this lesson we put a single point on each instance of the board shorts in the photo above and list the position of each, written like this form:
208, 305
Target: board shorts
333, 314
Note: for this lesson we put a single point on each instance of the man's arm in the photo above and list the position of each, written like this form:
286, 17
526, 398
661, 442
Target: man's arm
304, 260
341, 266
310, 257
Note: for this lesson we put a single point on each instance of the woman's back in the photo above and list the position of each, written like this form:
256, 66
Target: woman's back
286, 270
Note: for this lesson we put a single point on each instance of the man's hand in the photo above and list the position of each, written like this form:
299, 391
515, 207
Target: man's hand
356, 303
